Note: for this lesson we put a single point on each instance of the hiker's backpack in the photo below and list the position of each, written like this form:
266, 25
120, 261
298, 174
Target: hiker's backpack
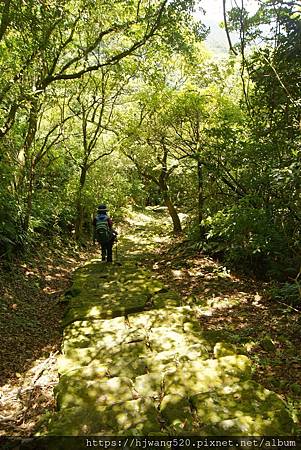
103, 231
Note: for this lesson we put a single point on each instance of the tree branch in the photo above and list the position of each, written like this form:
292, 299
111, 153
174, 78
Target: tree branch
227, 29
5, 18
71, 76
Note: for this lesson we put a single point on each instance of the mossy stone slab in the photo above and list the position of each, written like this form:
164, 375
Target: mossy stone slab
105, 354
165, 339
98, 296
91, 328
107, 308
140, 415
157, 361
130, 368
134, 349
245, 408
86, 373
192, 326
224, 349
111, 367
121, 418
135, 335
111, 325
256, 425
149, 385
194, 377
106, 341
78, 422
171, 317
75, 392
107, 345
143, 282
193, 352
83, 357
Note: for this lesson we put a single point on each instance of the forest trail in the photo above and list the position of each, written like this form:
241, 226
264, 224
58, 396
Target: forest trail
135, 360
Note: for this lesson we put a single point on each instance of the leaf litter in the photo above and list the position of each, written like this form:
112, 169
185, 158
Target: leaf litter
30, 322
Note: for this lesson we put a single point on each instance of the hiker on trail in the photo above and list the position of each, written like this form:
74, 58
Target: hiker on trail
104, 233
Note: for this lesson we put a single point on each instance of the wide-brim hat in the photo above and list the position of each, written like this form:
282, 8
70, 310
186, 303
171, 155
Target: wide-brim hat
102, 208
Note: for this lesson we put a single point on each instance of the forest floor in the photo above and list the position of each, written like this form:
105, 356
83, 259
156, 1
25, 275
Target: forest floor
238, 310
31, 332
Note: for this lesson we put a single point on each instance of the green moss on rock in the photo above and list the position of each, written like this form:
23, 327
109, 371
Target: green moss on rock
194, 377
76, 392
224, 349
245, 408
149, 385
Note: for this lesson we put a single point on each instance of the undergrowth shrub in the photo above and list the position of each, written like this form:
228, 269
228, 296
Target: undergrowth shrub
11, 235
289, 293
249, 239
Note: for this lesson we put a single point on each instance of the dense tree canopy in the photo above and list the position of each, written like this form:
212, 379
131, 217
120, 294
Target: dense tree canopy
120, 102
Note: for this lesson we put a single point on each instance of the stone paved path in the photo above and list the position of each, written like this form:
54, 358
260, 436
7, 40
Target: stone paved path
134, 362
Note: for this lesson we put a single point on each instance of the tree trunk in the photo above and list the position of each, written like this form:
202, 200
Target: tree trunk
177, 228
28, 206
29, 162
162, 182
79, 204
200, 198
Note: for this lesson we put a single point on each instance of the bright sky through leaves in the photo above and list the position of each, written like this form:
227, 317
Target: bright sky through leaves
213, 17
214, 8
